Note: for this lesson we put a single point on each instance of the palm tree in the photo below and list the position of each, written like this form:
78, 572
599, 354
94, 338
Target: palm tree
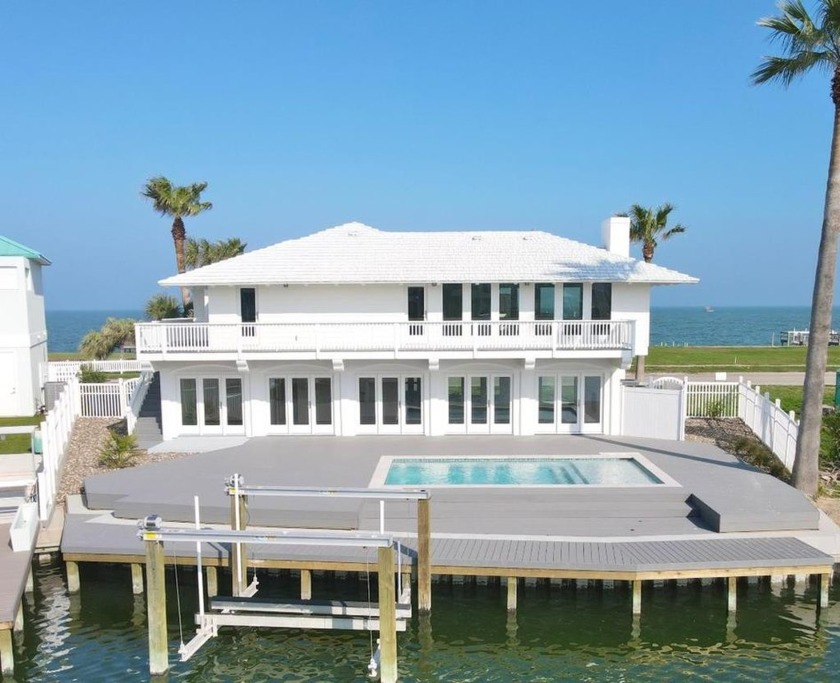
648, 226
809, 45
201, 252
162, 306
115, 332
177, 201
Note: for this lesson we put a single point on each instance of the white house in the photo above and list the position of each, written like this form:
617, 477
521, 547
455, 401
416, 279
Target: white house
23, 329
355, 330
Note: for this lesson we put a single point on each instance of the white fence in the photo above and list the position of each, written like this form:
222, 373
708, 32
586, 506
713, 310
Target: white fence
61, 371
777, 429
55, 435
653, 412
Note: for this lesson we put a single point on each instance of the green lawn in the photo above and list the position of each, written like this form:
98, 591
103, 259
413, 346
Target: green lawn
688, 359
791, 397
17, 443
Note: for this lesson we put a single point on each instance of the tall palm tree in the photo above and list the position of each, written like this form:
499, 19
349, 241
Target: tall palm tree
201, 252
177, 201
812, 44
650, 225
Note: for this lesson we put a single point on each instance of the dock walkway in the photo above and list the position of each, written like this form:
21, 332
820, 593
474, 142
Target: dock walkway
15, 579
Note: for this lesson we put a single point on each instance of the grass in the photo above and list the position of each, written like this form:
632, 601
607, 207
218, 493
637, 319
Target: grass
689, 359
17, 443
791, 396
75, 355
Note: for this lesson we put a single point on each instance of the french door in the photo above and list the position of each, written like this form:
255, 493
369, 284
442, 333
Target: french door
480, 404
212, 405
570, 403
300, 405
391, 404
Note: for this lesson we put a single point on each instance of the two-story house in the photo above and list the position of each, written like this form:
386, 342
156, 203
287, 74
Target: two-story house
23, 329
355, 330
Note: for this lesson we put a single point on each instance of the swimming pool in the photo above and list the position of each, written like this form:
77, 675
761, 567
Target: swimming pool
618, 470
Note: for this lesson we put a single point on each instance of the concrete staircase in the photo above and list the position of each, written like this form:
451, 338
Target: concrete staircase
148, 428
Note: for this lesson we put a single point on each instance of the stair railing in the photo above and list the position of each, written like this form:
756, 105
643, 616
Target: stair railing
135, 402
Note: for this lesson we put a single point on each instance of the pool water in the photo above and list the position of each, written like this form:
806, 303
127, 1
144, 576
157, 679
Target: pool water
501, 471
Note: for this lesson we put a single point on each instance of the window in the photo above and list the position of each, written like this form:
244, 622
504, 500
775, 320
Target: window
367, 400
453, 302
508, 301
277, 400
323, 401
481, 301
592, 400
189, 403
544, 301
546, 400
248, 304
501, 400
456, 400
416, 303
573, 301
601, 301
233, 400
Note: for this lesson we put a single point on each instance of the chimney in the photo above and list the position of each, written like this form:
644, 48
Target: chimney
615, 235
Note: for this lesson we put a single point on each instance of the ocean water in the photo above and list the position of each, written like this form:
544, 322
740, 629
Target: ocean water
558, 634
680, 326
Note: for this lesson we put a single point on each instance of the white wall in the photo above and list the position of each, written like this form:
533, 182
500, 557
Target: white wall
632, 302
23, 335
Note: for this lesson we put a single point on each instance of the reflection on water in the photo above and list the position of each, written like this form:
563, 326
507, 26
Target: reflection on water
558, 634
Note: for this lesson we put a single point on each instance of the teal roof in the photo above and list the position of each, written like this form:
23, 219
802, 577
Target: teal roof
11, 248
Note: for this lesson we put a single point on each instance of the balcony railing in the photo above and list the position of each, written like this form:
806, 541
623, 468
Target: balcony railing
548, 335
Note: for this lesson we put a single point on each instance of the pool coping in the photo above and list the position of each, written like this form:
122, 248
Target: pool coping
382, 468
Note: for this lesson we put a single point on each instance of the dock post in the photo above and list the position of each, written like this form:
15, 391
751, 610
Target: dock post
387, 617
305, 584
637, 596
136, 579
156, 608
512, 585
73, 582
7, 653
732, 593
238, 551
30, 582
825, 580
212, 582
19, 619
424, 558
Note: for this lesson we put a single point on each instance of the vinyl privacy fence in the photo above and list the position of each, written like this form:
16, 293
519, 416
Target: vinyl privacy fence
775, 428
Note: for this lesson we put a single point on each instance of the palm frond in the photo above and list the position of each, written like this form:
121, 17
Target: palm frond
676, 230
788, 69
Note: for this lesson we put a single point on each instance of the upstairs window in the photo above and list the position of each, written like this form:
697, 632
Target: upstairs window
601, 301
573, 301
416, 303
453, 302
508, 301
248, 304
481, 301
544, 301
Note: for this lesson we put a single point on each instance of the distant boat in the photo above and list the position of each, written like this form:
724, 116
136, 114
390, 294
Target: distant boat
709, 309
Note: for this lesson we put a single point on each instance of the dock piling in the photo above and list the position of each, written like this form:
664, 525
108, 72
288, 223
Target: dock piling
156, 601
732, 593
7, 653
305, 584
387, 617
212, 582
512, 586
825, 581
424, 559
19, 619
637, 597
136, 579
30, 582
73, 583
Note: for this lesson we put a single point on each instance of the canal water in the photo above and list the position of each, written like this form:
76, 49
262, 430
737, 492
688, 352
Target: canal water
558, 634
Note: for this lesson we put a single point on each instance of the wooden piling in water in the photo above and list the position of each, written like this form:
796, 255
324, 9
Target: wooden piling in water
73, 583
305, 584
212, 582
156, 608
732, 593
7, 653
424, 558
387, 617
136, 579
512, 586
637, 597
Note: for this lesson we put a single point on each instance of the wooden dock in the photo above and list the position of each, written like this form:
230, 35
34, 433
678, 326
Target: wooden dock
15, 580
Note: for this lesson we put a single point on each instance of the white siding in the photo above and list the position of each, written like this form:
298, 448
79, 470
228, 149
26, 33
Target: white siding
632, 302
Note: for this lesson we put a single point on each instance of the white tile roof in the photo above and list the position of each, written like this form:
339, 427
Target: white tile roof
357, 253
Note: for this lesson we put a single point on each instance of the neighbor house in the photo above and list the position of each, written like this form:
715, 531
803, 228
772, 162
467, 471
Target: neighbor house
355, 330
23, 329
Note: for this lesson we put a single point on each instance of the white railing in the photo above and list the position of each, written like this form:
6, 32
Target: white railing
183, 337
55, 435
135, 399
712, 399
777, 429
61, 371
107, 399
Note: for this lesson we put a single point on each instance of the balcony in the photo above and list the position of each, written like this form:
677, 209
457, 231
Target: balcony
548, 338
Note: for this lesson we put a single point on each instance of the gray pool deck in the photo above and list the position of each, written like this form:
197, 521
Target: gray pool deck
721, 516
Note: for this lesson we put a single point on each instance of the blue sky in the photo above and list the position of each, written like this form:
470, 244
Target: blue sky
407, 116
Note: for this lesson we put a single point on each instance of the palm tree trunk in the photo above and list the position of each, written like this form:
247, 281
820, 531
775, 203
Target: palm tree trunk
647, 252
179, 237
806, 464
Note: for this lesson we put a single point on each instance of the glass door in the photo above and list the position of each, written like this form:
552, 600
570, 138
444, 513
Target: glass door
569, 403
212, 405
300, 405
480, 404
391, 405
